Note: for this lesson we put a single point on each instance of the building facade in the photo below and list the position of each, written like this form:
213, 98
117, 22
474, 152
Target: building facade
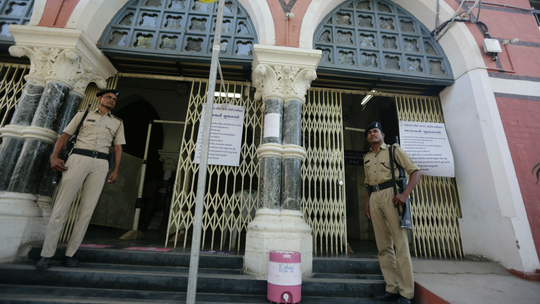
306, 66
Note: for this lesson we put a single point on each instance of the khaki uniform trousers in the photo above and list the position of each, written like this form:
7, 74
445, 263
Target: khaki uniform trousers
90, 173
396, 266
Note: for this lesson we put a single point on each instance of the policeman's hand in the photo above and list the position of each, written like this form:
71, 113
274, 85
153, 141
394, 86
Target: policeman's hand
399, 199
58, 165
366, 210
113, 177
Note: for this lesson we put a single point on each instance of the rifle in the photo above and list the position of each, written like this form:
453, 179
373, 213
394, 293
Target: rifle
64, 154
401, 183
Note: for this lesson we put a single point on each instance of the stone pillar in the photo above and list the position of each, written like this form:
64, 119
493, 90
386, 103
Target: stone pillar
12, 140
59, 75
282, 76
39, 140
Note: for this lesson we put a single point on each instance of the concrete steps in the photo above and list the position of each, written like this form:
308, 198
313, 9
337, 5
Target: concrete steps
121, 276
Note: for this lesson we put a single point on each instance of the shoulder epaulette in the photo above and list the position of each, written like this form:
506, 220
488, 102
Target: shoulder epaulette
116, 117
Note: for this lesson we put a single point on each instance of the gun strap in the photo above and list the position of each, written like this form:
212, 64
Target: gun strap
390, 150
392, 169
81, 122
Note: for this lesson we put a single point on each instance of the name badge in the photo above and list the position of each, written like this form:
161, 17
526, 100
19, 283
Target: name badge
91, 120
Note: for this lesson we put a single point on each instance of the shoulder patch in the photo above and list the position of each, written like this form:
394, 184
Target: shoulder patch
116, 117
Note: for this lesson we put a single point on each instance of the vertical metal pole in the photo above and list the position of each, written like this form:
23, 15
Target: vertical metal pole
201, 183
141, 181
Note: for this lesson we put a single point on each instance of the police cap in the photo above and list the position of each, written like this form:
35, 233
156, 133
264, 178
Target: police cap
373, 125
115, 92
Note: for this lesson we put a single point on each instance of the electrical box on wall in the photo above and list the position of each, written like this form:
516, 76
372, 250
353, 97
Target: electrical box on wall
491, 46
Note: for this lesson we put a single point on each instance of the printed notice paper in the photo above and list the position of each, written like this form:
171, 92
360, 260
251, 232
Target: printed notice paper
427, 145
225, 135
272, 122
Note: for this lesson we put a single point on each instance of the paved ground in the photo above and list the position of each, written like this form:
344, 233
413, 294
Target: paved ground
474, 282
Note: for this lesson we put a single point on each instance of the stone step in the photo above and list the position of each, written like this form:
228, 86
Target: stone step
346, 265
175, 279
134, 257
46, 294
218, 260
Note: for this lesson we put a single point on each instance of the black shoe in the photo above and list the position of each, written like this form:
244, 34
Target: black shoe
403, 300
44, 263
387, 297
70, 262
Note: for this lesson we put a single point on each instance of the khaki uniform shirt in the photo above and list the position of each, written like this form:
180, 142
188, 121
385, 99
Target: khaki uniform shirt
377, 165
97, 131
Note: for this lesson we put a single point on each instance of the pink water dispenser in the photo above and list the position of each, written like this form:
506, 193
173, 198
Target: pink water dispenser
284, 277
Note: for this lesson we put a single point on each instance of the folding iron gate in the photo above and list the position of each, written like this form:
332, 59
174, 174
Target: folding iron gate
11, 86
435, 208
323, 177
231, 197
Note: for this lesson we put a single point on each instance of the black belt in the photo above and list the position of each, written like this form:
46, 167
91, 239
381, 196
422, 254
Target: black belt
94, 154
380, 187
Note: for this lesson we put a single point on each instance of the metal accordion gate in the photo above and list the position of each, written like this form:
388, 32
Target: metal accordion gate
11, 86
435, 208
231, 196
323, 201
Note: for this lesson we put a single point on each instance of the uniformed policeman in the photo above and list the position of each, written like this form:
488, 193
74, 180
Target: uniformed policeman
87, 166
380, 207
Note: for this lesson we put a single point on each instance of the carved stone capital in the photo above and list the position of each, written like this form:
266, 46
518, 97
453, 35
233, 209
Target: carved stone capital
86, 74
286, 82
284, 72
169, 159
267, 82
67, 66
63, 55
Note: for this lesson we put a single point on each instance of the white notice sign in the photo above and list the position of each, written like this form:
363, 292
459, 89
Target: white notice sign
225, 135
272, 122
427, 145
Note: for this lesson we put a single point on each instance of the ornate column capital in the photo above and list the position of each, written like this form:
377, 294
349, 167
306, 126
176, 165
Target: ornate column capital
284, 72
284, 82
67, 66
169, 159
73, 59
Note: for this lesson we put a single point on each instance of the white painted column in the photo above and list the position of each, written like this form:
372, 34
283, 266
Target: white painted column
494, 222
280, 73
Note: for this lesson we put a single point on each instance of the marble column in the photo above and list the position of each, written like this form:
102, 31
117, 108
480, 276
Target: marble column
269, 154
67, 61
293, 155
39, 140
12, 140
282, 76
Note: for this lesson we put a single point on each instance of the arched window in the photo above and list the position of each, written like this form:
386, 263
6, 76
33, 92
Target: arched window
14, 12
182, 28
380, 38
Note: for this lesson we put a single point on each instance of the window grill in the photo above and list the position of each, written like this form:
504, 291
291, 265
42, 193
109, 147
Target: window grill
14, 12
380, 38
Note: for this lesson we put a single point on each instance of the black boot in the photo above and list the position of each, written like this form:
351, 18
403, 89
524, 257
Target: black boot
387, 297
71, 262
44, 263
403, 300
